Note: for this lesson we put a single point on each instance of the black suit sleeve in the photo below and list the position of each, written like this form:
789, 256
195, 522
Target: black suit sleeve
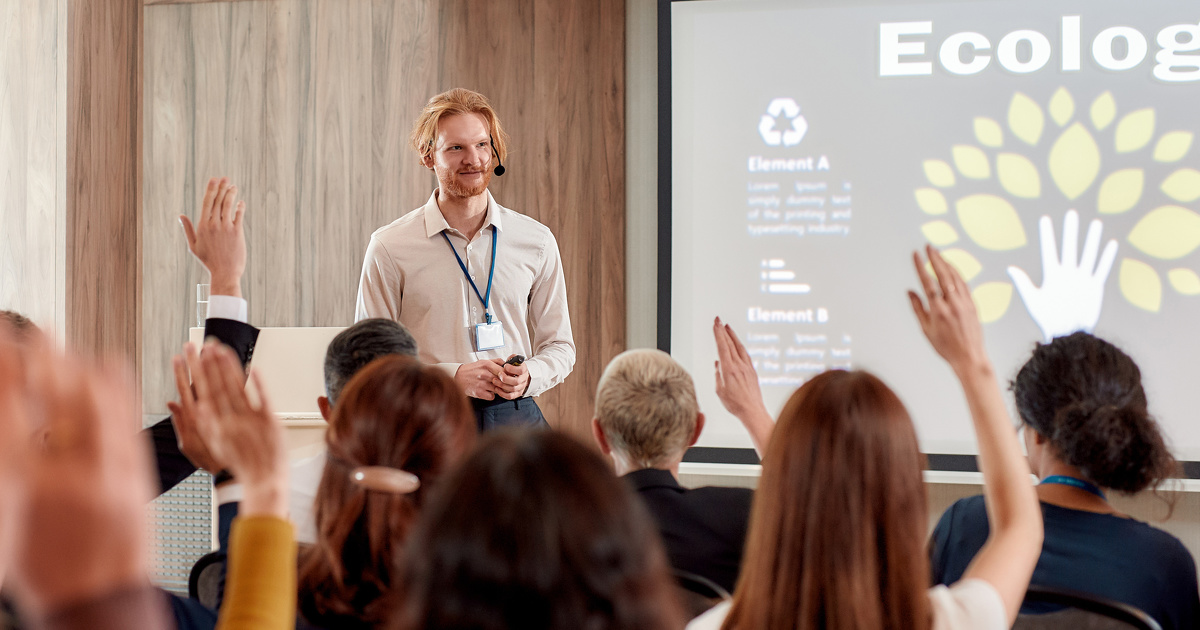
172, 465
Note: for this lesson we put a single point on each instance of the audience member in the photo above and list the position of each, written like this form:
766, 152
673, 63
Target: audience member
20, 328
838, 526
350, 351
249, 439
646, 418
218, 241
72, 505
533, 532
1087, 429
398, 414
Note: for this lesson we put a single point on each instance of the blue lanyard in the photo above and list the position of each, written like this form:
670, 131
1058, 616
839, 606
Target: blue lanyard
484, 297
1075, 483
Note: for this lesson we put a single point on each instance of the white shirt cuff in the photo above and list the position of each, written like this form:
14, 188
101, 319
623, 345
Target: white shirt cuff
227, 307
228, 493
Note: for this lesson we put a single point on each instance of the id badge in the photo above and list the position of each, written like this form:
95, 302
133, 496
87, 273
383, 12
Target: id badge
489, 336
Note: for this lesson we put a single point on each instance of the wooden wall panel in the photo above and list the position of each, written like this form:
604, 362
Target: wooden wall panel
170, 115
31, 202
103, 204
229, 92
308, 104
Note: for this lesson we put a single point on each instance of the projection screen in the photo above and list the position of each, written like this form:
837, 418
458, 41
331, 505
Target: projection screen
807, 148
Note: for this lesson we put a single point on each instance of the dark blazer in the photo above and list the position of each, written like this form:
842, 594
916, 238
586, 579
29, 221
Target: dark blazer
172, 465
703, 529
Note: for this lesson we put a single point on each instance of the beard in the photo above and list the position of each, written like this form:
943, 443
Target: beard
451, 183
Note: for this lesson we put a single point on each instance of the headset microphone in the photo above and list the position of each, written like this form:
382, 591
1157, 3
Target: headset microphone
499, 170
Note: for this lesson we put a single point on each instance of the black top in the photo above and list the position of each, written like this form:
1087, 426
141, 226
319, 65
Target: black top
171, 464
1109, 556
703, 529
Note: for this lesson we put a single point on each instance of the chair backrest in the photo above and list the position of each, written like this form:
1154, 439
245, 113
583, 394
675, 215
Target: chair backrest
1081, 611
204, 582
698, 593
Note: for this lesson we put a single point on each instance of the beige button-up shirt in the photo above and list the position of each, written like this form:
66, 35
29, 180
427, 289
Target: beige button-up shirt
410, 276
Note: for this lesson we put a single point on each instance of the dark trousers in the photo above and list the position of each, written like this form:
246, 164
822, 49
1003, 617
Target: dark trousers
494, 414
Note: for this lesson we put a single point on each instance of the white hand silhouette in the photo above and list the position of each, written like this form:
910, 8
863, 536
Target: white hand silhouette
1072, 292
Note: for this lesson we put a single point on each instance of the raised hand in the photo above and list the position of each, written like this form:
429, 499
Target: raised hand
737, 386
84, 519
218, 240
243, 436
949, 322
1072, 290
183, 414
15, 432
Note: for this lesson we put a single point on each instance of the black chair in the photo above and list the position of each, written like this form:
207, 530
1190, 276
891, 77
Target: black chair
1081, 611
698, 593
204, 579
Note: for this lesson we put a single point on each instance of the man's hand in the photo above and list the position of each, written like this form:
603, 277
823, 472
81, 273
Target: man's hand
1072, 290
737, 386
218, 240
512, 381
183, 414
476, 378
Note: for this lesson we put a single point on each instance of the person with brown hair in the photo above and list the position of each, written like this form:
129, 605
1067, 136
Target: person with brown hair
837, 531
1088, 429
476, 283
533, 532
395, 413
404, 419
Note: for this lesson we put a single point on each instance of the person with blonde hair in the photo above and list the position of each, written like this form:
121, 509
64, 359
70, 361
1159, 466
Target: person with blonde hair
480, 286
647, 417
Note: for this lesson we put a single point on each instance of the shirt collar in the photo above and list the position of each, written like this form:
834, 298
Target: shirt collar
435, 221
652, 478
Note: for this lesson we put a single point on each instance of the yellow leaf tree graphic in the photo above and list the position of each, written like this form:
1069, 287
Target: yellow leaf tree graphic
1074, 159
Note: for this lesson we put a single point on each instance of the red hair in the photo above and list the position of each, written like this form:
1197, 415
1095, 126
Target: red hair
395, 412
452, 103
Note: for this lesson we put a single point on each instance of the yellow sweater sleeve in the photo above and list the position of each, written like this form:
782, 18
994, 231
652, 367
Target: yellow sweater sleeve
260, 591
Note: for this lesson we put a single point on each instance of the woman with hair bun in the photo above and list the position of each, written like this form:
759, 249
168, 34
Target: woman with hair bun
1087, 430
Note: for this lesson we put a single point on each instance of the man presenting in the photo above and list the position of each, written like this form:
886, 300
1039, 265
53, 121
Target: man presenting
480, 286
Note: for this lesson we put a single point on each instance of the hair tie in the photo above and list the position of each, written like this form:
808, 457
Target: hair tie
385, 479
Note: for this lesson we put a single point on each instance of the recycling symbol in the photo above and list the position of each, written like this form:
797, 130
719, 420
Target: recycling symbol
788, 109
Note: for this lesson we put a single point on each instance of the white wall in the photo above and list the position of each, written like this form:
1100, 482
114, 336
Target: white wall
33, 159
641, 173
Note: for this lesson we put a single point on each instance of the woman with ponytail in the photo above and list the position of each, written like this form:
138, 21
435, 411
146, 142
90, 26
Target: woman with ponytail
397, 429
395, 414
1088, 432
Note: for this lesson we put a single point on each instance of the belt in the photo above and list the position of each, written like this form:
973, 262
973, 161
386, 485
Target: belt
479, 403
